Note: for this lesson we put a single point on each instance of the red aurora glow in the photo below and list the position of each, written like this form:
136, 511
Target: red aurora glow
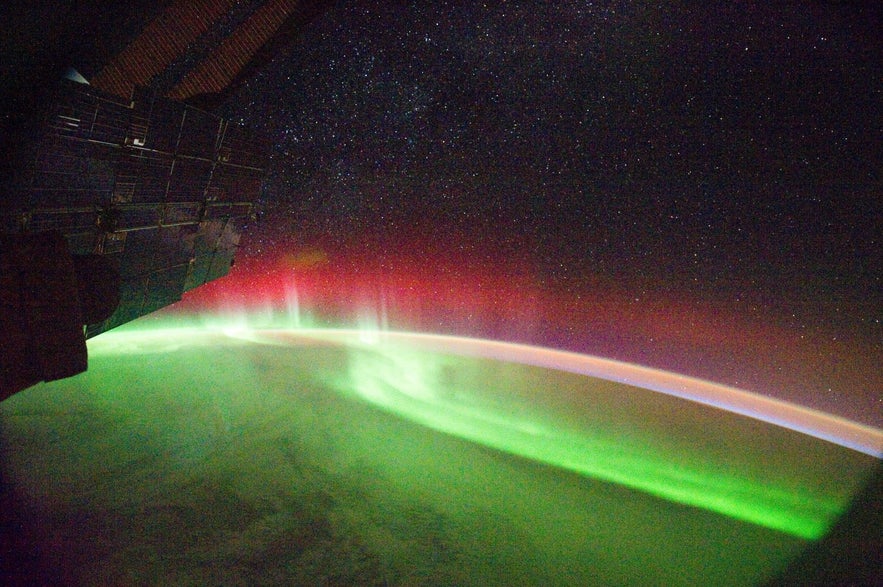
469, 291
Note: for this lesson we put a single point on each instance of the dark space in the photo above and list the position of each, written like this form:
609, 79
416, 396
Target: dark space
690, 187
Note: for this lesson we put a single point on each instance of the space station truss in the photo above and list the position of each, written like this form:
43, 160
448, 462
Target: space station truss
159, 187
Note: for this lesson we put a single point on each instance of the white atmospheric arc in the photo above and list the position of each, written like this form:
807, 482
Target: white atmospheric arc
835, 429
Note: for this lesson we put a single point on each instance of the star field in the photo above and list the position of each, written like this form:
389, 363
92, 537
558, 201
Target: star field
521, 292
713, 159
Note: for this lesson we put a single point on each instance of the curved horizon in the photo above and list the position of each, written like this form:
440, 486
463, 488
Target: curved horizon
831, 428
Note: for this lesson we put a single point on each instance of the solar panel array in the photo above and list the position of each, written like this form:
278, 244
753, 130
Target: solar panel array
198, 47
161, 188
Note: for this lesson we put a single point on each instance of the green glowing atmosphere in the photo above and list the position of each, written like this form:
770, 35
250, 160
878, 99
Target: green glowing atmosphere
195, 454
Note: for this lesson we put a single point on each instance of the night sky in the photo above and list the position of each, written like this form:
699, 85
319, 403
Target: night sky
717, 149
692, 188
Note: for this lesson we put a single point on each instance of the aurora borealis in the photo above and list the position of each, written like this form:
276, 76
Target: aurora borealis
509, 262
411, 285
693, 188
270, 447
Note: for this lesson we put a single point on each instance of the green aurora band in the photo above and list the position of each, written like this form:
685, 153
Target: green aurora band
445, 392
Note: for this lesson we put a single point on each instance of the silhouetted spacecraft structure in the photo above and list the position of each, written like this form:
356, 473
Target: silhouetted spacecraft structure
128, 195
202, 48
